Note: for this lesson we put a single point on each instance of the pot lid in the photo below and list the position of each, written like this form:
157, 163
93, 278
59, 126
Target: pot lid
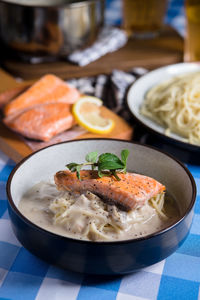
45, 3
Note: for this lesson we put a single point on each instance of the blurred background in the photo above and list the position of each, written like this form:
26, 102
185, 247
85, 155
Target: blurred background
175, 15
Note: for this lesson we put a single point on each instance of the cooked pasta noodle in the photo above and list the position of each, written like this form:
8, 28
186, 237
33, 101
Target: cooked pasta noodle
86, 216
89, 216
175, 104
158, 203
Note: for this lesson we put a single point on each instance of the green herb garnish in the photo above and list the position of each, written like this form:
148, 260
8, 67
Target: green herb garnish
107, 164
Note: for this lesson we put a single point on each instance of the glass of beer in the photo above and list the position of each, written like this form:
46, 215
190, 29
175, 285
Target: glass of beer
143, 18
192, 38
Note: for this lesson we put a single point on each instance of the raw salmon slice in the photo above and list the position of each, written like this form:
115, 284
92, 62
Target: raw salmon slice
131, 192
42, 122
49, 89
7, 96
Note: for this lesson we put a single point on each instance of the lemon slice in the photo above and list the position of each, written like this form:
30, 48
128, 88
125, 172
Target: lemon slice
87, 113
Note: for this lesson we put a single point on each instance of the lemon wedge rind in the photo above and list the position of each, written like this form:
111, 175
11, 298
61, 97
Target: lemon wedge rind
86, 112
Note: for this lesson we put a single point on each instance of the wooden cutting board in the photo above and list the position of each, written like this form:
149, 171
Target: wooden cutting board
16, 148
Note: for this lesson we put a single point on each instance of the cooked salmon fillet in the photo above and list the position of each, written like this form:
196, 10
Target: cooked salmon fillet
42, 122
132, 191
48, 89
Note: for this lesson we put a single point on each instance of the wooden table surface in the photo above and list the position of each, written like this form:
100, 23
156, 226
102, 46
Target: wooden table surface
151, 53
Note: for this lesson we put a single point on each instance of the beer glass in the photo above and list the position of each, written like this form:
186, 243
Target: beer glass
192, 37
143, 18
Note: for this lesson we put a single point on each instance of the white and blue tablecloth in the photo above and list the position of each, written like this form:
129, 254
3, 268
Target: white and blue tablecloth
25, 277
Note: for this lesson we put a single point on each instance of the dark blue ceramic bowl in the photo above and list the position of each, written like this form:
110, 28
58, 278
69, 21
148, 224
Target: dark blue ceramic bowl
101, 257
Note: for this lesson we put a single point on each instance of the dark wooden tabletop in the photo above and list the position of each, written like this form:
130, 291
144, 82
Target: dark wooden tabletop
151, 53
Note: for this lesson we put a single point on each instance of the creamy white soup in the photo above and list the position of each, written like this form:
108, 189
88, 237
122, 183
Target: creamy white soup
86, 216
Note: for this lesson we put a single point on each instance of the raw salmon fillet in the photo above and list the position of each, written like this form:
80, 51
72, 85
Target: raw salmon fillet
42, 122
48, 89
7, 96
131, 192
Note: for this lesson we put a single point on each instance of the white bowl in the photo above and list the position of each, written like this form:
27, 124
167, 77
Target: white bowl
138, 90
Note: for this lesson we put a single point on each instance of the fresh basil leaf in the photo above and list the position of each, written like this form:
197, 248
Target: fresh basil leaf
72, 166
78, 168
92, 157
107, 163
108, 157
110, 165
103, 174
100, 174
124, 157
115, 175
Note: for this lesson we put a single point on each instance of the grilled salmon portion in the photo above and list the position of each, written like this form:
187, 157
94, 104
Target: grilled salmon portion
42, 122
48, 89
131, 192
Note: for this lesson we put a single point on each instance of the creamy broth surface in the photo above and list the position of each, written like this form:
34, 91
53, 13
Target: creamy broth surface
87, 217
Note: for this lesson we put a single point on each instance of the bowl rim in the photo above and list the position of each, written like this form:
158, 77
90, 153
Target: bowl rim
171, 139
115, 242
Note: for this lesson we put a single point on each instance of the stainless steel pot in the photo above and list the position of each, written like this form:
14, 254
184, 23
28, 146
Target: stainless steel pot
38, 30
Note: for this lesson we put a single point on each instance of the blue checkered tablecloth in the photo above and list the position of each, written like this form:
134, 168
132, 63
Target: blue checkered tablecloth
25, 277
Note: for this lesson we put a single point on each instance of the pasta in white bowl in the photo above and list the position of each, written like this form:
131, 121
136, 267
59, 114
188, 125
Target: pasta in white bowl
167, 100
175, 103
